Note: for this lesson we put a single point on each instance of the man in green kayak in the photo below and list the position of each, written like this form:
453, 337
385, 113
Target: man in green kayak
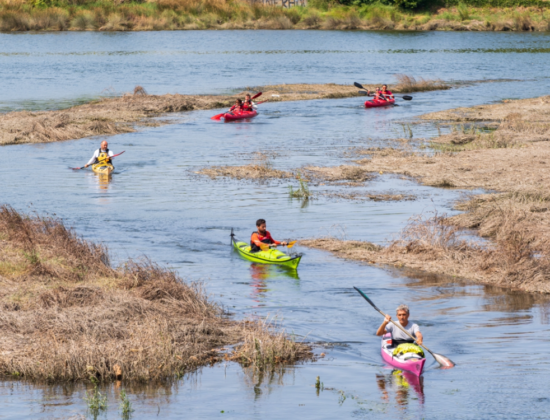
262, 236
398, 336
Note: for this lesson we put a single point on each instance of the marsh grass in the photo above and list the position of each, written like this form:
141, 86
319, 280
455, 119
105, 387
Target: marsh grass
125, 405
113, 15
68, 315
95, 400
408, 84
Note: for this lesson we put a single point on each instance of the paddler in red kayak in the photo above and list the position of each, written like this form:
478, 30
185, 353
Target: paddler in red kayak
238, 107
386, 94
248, 105
262, 236
398, 336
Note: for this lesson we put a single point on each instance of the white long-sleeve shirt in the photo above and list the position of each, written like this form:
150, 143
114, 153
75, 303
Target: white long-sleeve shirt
96, 155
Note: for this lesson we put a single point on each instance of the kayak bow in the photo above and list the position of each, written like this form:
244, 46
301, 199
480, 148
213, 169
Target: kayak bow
233, 116
379, 102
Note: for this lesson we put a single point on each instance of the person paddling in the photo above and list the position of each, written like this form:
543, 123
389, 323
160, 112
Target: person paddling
262, 236
248, 105
398, 336
101, 155
238, 107
386, 93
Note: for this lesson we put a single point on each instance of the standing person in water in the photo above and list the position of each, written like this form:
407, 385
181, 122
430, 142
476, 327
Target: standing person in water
398, 336
262, 236
386, 93
101, 155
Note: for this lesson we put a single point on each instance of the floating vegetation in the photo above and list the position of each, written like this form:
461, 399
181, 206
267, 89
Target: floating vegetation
303, 190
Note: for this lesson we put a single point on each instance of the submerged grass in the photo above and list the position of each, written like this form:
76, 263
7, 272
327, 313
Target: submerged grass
66, 314
111, 15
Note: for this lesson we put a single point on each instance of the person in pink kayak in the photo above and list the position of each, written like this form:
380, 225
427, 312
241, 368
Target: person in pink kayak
398, 336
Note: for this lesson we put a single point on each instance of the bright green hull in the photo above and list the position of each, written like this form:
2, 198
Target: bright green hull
273, 256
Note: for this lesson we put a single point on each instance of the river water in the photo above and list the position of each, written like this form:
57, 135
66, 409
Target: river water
156, 205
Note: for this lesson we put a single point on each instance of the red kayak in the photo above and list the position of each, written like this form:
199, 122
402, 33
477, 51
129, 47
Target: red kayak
379, 102
233, 116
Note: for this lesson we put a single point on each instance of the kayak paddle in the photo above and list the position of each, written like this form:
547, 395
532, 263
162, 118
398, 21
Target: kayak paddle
219, 116
266, 247
364, 92
82, 167
442, 360
291, 244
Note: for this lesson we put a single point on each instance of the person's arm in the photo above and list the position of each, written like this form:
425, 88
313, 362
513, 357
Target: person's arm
382, 327
111, 154
274, 242
419, 337
92, 160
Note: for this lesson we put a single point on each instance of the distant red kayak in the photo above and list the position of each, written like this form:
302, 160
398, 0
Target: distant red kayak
378, 102
233, 116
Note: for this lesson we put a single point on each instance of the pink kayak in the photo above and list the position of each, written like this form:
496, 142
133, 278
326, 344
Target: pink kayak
411, 362
379, 102
233, 116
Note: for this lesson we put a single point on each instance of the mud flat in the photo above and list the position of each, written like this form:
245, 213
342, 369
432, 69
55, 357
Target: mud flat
127, 113
511, 159
66, 314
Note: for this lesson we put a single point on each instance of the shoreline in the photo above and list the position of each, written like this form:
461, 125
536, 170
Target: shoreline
127, 113
172, 15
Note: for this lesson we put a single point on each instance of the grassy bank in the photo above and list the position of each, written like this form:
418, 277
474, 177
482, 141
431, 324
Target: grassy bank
125, 114
82, 15
66, 314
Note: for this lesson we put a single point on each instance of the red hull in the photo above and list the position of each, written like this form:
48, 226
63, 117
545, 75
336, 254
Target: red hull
378, 102
231, 116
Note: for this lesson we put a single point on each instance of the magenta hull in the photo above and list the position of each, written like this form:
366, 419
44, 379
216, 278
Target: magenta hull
230, 116
410, 363
378, 102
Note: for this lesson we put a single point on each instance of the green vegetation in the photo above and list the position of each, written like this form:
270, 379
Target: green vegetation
112, 15
302, 191
95, 400
125, 405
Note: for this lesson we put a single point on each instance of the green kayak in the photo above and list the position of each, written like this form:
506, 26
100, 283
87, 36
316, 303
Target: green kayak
272, 256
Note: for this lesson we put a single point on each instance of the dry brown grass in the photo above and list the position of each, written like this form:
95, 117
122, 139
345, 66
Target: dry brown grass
408, 84
267, 346
351, 173
66, 314
434, 245
361, 196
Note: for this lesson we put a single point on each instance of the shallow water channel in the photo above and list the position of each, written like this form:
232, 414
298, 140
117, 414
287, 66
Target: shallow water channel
156, 205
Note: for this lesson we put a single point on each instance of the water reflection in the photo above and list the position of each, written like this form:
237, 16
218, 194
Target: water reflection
400, 383
261, 273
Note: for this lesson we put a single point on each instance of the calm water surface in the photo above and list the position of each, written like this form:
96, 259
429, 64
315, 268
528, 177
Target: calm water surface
156, 205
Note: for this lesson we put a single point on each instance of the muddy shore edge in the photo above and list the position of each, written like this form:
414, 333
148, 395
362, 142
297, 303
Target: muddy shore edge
127, 113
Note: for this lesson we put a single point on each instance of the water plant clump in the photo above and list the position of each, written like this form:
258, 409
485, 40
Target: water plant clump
125, 405
95, 400
302, 191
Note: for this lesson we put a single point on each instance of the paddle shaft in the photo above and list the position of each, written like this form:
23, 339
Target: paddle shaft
110, 157
394, 323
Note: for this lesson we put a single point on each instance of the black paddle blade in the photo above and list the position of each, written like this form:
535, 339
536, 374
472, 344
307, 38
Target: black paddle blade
407, 97
358, 85
366, 298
